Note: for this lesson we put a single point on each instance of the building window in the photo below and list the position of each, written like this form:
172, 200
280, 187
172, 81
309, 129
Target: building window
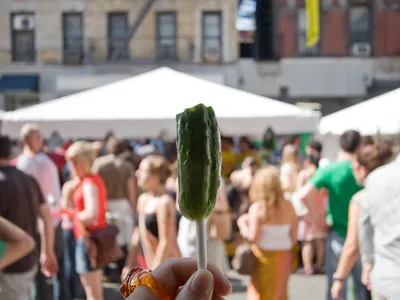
302, 35
360, 30
73, 38
23, 37
212, 37
118, 47
166, 35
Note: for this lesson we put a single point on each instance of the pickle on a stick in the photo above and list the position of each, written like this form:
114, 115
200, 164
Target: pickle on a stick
199, 161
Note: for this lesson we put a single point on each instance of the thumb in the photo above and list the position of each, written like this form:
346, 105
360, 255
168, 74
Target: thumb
199, 287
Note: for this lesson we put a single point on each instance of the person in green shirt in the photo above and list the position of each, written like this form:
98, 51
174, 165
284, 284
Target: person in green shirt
14, 243
338, 179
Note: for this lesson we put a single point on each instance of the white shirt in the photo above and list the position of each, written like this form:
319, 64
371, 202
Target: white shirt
45, 172
275, 237
187, 232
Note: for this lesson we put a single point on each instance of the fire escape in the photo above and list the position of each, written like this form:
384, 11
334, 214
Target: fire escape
133, 29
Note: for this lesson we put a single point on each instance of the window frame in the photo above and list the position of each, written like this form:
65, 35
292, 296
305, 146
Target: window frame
13, 34
111, 38
371, 29
159, 37
220, 14
64, 38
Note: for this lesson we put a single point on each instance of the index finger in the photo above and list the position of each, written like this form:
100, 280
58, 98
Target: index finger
175, 272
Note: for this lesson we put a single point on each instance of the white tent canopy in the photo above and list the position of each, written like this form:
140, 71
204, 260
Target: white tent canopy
379, 114
143, 105
2, 112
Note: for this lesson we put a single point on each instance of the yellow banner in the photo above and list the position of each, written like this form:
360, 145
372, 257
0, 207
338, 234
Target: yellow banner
313, 25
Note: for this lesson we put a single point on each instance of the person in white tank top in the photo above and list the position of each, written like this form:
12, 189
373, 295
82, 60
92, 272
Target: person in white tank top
271, 227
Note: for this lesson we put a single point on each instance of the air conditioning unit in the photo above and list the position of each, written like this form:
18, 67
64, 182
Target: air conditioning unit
23, 22
212, 53
361, 49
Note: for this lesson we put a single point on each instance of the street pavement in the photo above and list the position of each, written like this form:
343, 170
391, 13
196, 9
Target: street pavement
300, 288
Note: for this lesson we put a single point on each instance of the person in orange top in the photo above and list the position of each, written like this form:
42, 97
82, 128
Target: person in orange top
90, 202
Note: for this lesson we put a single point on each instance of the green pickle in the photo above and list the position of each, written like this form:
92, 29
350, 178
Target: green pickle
199, 161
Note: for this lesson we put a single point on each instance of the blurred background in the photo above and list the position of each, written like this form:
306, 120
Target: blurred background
214, 51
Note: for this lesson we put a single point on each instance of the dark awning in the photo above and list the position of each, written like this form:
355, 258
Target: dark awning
19, 83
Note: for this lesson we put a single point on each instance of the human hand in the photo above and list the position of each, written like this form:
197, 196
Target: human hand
366, 273
180, 276
336, 290
49, 264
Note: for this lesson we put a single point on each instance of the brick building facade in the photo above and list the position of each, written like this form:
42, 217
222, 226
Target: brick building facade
378, 25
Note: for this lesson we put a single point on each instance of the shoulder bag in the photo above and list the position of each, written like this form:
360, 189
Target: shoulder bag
102, 246
244, 261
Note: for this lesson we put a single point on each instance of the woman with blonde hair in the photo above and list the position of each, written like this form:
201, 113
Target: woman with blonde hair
271, 228
90, 201
290, 168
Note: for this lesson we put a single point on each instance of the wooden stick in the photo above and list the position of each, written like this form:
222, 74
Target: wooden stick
201, 244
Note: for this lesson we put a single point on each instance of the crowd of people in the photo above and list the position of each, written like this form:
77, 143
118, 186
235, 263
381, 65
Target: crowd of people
331, 215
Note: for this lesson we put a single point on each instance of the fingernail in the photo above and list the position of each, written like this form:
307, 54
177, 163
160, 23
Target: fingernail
227, 282
202, 283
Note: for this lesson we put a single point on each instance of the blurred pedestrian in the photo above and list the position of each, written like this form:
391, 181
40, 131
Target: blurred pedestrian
271, 229
289, 170
89, 213
34, 162
312, 235
339, 180
379, 233
120, 182
368, 159
73, 283
22, 203
157, 216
